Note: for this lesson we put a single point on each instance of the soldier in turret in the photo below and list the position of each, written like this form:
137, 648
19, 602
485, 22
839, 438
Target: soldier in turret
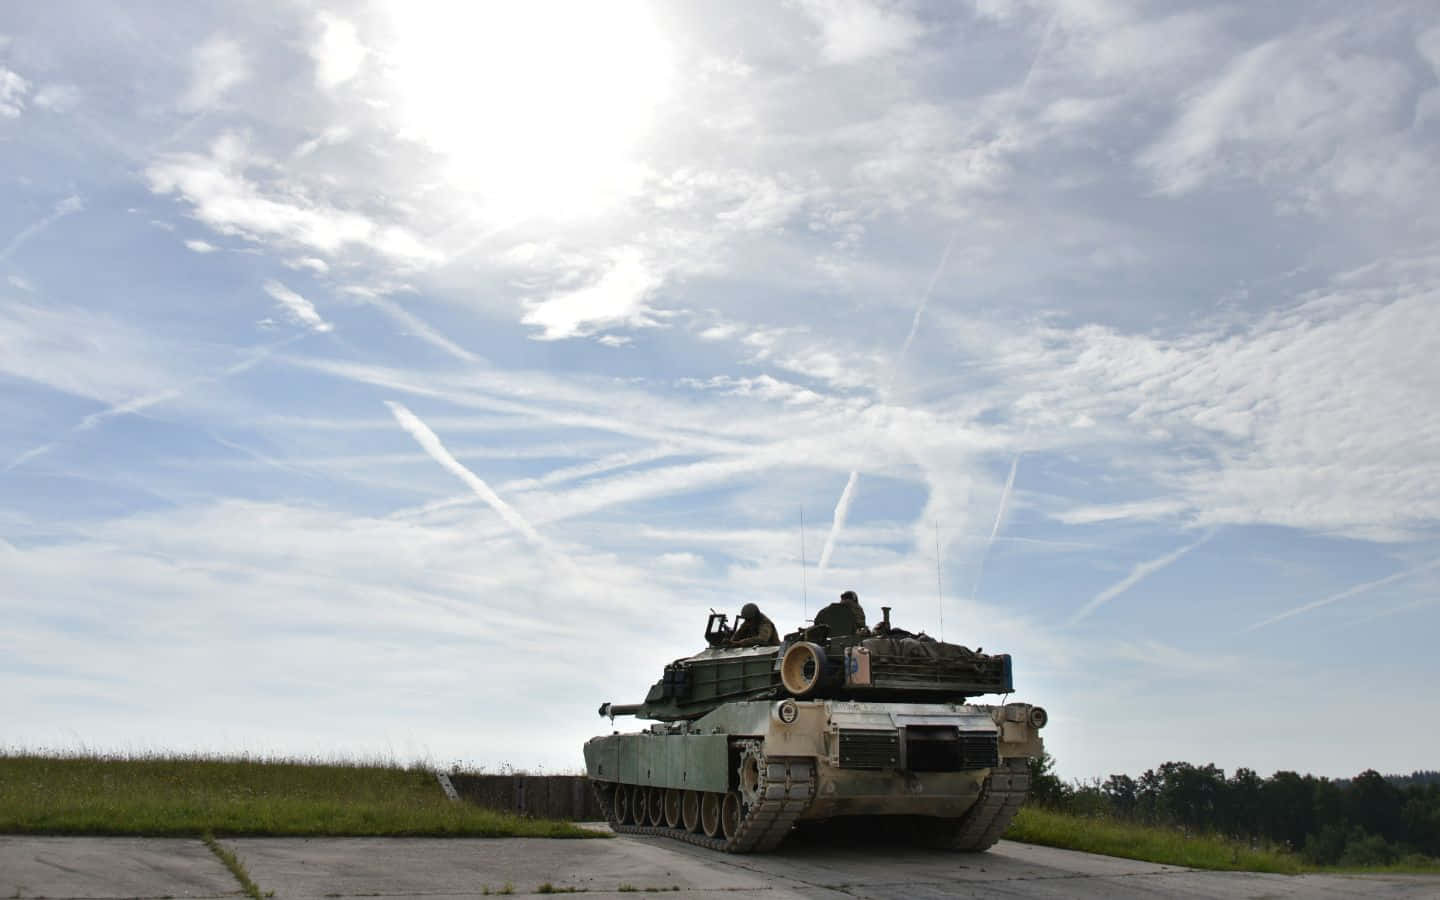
852, 600
754, 629
845, 617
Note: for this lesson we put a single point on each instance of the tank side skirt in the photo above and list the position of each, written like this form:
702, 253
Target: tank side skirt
789, 789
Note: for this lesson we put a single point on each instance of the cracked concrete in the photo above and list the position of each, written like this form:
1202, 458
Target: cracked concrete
440, 869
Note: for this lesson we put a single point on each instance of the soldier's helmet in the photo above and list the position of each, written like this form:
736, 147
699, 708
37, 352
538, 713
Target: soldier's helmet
850, 597
749, 611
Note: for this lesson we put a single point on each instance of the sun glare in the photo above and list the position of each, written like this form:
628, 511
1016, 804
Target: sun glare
539, 109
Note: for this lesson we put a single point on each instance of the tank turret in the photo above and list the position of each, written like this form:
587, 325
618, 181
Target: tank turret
755, 734
834, 658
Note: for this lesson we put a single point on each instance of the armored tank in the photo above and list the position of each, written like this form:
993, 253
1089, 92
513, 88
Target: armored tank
835, 721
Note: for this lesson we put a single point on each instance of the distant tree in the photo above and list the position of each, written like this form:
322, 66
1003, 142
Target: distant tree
1189, 793
1240, 807
1287, 804
1046, 788
1374, 804
1122, 793
1421, 817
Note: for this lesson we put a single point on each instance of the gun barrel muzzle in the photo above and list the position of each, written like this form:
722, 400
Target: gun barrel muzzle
611, 710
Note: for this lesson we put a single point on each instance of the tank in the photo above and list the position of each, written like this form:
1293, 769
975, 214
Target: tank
835, 722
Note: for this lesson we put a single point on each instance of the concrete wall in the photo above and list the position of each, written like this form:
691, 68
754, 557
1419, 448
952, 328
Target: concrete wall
542, 796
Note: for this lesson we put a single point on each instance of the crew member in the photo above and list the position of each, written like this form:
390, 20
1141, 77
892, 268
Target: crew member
754, 629
845, 617
852, 600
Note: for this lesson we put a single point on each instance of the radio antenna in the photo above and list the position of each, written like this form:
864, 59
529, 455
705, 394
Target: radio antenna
939, 593
804, 588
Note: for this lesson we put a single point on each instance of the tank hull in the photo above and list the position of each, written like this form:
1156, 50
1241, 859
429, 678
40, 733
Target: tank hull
954, 773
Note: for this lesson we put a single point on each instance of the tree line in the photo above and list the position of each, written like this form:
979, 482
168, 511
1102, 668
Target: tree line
1370, 819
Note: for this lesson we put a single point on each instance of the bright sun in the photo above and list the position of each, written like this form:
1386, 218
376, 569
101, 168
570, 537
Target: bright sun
538, 108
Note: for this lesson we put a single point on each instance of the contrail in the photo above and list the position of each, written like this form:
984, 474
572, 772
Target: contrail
431, 445
1345, 594
1138, 574
837, 522
842, 506
995, 528
421, 329
145, 401
65, 207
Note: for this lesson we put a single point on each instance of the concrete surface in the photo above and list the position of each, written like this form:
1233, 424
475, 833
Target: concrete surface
445, 869
111, 867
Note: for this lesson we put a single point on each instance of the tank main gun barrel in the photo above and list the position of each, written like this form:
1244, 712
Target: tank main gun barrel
611, 710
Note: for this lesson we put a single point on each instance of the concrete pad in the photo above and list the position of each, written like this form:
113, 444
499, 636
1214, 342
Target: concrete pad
806, 866
62, 867
442, 869
467, 867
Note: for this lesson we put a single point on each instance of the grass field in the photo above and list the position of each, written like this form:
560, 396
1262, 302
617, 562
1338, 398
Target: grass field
235, 797
194, 796
1171, 846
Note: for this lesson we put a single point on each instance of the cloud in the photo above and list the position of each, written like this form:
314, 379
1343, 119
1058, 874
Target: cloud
224, 198
1303, 111
1089, 514
300, 309
57, 98
80, 352
856, 30
1139, 573
842, 507
199, 246
143, 402
12, 94
617, 295
338, 53
216, 67
1317, 416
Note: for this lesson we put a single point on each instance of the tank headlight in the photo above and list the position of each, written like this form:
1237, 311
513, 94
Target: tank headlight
1038, 716
786, 712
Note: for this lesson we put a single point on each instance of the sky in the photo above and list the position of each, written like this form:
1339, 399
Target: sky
402, 380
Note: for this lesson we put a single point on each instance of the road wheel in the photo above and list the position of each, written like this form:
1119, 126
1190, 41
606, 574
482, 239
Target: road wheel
690, 810
672, 808
657, 806
710, 814
730, 814
639, 809
620, 806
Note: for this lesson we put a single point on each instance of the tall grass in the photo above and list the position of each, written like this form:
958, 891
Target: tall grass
1171, 846
1093, 834
160, 795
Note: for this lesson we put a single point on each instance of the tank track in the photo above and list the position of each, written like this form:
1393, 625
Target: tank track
1000, 799
788, 788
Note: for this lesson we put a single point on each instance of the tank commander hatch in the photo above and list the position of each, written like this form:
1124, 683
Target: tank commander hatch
845, 617
754, 629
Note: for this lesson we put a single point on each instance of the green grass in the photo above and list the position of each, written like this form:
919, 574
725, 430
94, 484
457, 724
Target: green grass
1171, 846
236, 867
187, 796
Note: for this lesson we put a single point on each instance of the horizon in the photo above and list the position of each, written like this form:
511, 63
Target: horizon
377, 377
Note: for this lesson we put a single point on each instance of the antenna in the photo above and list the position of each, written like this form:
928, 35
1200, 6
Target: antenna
939, 593
804, 588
